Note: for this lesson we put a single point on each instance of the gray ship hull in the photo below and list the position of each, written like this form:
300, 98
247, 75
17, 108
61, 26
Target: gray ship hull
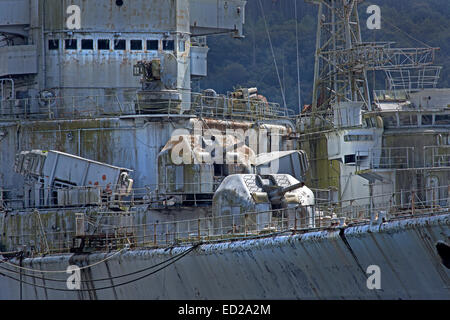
328, 264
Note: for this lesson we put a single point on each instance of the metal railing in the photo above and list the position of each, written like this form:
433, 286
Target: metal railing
100, 195
307, 122
324, 196
92, 106
137, 196
392, 158
69, 107
113, 230
436, 156
107, 230
410, 158
225, 107
390, 95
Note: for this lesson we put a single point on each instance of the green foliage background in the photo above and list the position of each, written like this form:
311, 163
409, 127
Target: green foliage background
249, 62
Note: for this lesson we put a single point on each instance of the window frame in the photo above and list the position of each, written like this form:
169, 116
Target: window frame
165, 44
411, 123
103, 41
116, 41
136, 41
152, 41
87, 41
428, 124
53, 48
71, 40
393, 116
442, 115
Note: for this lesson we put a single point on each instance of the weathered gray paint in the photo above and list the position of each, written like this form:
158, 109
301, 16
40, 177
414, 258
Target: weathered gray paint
315, 265
14, 12
18, 60
109, 72
136, 141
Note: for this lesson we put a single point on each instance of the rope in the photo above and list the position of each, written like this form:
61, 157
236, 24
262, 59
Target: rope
109, 278
65, 271
273, 54
107, 287
405, 33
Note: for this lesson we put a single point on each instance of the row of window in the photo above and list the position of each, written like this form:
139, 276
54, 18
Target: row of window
119, 44
358, 137
410, 120
406, 120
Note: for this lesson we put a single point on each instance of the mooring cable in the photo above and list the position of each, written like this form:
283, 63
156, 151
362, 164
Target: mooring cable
65, 271
107, 287
103, 279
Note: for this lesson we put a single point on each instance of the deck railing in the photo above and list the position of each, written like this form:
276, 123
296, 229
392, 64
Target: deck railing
392, 158
93, 106
226, 107
68, 107
410, 157
108, 230
436, 156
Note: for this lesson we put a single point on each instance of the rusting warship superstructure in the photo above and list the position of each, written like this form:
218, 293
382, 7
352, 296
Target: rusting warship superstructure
109, 163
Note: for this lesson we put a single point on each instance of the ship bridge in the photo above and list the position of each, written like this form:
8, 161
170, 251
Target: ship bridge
56, 65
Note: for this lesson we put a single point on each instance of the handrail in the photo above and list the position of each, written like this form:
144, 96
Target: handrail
392, 158
106, 230
150, 195
92, 106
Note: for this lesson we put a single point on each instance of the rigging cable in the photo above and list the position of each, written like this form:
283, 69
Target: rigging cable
59, 271
273, 55
103, 279
107, 287
405, 33
298, 60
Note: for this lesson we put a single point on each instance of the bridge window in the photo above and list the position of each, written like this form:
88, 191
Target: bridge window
87, 44
350, 158
442, 119
71, 44
168, 45
53, 44
427, 119
103, 44
218, 170
408, 119
390, 121
152, 44
358, 137
120, 44
136, 44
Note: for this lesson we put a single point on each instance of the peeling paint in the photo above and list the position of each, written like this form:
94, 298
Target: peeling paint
314, 265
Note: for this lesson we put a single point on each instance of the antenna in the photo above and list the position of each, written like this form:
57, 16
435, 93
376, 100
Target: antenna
298, 60
342, 59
